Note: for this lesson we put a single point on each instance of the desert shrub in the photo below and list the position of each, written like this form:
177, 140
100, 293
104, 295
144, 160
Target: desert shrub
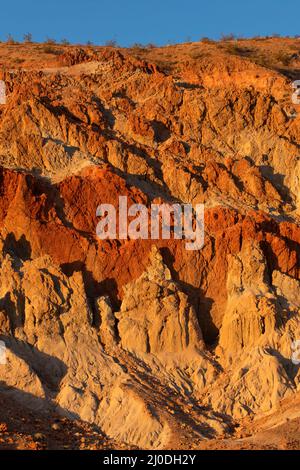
198, 54
258, 38
10, 40
262, 61
111, 43
207, 40
240, 50
48, 49
283, 57
295, 46
137, 45
50, 41
64, 42
228, 37
27, 37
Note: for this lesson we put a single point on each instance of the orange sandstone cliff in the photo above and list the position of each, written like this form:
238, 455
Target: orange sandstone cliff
156, 346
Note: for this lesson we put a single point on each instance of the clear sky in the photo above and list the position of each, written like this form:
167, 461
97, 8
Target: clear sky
142, 21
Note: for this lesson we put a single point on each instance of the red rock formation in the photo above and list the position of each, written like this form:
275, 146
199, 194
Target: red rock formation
104, 123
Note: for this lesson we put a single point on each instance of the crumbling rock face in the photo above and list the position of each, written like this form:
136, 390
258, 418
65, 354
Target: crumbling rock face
60, 354
152, 343
260, 323
256, 385
155, 317
90, 363
60, 220
260, 310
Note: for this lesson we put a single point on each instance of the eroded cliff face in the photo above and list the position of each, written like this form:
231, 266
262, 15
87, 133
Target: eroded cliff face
152, 343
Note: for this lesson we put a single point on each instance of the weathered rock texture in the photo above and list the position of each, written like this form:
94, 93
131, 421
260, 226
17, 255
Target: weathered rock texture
154, 344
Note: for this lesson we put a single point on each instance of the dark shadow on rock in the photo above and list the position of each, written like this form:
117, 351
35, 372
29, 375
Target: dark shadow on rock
60, 110
277, 180
161, 132
152, 389
15, 312
26, 414
49, 369
189, 86
290, 368
20, 248
106, 112
93, 288
272, 259
201, 304
291, 73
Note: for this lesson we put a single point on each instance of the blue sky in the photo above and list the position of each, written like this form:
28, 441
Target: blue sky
156, 21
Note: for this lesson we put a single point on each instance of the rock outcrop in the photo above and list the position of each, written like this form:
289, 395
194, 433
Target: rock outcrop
155, 345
